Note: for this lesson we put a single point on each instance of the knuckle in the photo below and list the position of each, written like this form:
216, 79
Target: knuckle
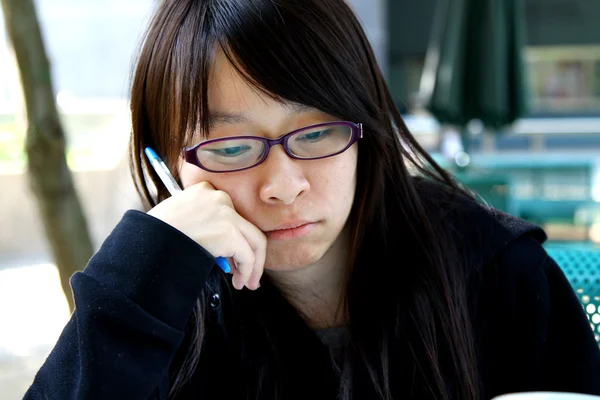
223, 214
201, 187
231, 231
222, 197
229, 213
223, 230
221, 233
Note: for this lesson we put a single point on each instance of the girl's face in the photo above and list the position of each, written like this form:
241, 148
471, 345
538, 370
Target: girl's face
280, 192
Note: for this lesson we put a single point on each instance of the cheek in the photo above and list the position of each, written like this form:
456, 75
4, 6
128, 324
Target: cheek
347, 183
190, 175
236, 186
241, 192
337, 188
345, 178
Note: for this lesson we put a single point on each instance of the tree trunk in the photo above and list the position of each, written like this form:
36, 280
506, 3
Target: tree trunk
49, 176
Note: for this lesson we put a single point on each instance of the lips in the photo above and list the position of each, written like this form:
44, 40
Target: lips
289, 225
291, 230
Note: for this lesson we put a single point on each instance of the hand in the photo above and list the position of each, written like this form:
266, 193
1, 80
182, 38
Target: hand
208, 217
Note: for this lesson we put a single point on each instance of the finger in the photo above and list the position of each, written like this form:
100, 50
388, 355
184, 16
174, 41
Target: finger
244, 260
258, 242
260, 255
222, 197
257, 271
231, 265
203, 185
254, 280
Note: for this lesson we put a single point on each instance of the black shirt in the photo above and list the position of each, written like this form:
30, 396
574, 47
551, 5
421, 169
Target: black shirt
135, 298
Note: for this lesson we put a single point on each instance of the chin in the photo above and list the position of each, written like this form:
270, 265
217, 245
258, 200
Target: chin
293, 256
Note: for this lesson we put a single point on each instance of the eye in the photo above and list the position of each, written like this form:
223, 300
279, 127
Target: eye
314, 136
230, 151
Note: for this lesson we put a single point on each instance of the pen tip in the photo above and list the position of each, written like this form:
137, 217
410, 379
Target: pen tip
150, 153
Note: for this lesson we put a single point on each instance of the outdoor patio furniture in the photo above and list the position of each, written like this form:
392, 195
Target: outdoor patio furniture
582, 268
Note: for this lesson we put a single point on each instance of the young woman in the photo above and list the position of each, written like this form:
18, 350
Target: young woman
359, 268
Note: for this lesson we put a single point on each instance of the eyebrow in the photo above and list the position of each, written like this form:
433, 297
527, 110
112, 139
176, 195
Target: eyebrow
217, 118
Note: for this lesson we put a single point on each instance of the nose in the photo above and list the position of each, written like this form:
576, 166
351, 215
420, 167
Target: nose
284, 178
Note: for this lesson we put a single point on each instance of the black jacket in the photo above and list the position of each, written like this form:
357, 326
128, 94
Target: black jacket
135, 297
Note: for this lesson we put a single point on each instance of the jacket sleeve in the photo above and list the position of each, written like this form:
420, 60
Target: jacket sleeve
571, 355
132, 303
533, 330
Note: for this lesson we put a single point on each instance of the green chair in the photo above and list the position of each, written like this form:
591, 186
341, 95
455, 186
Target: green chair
582, 269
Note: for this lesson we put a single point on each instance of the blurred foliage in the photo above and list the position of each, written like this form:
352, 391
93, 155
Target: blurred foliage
13, 157
12, 150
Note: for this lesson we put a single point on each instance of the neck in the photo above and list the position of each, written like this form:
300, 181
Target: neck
316, 290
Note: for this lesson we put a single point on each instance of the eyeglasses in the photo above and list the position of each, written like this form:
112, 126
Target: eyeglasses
238, 153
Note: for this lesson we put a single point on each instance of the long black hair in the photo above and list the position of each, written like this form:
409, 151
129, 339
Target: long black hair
314, 52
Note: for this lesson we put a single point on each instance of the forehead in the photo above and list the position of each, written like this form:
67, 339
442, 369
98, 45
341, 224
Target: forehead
232, 99
223, 79
229, 91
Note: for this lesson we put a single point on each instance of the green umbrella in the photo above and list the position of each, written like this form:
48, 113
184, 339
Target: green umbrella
474, 67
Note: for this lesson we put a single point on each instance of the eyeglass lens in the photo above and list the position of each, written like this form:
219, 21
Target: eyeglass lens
233, 154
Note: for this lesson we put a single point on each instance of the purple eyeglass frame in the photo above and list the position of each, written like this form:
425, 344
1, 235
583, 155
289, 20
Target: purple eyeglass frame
191, 157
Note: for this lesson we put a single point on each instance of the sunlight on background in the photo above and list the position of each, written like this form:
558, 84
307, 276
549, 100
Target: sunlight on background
91, 46
32, 307
33, 311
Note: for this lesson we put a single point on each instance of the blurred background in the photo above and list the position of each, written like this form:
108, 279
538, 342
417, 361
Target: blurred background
537, 159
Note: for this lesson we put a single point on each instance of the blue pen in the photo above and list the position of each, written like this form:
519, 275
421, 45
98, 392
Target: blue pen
171, 184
